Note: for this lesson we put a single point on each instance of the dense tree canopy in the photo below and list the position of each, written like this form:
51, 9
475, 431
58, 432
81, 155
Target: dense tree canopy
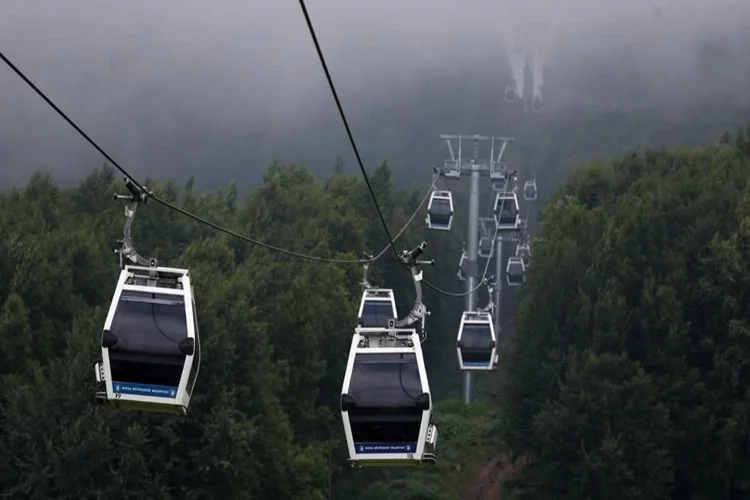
627, 376
275, 333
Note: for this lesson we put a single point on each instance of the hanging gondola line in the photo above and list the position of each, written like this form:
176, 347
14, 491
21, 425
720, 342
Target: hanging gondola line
147, 194
151, 347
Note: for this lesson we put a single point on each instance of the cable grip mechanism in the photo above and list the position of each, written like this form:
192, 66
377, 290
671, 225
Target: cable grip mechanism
365, 283
490, 284
410, 259
127, 250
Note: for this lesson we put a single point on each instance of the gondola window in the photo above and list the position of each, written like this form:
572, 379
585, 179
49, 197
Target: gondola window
149, 328
385, 387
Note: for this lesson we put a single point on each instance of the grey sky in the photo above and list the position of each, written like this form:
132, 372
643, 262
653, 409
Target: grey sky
166, 85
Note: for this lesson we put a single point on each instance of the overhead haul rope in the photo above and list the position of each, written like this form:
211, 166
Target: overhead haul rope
146, 193
346, 125
480, 283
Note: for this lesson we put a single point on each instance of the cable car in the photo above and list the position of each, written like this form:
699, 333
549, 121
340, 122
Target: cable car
461, 274
529, 190
150, 342
378, 305
476, 345
440, 210
452, 169
386, 406
536, 104
507, 212
510, 94
515, 271
485, 247
524, 252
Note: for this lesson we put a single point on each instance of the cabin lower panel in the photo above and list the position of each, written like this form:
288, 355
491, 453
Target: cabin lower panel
428, 459
124, 404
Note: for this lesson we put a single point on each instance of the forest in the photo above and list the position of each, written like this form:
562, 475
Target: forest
624, 358
275, 334
626, 375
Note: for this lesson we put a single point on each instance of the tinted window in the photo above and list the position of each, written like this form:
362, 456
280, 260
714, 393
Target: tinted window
440, 208
149, 323
508, 209
376, 313
149, 327
476, 335
385, 380
137, 372
477, 347
403, 430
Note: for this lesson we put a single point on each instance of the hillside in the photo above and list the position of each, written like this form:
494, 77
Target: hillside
275, 333
632, 385
627, 375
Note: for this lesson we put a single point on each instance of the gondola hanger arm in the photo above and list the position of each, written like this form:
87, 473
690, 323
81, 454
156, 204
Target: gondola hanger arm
127, 249
418, 312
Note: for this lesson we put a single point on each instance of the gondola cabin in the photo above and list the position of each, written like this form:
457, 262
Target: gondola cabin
524, 252
515, 271
507, 212
476, 345
452, 169
150, 342
440, 211
536, 104
378, 305
510, 94
529, 191
386, 406
485, 247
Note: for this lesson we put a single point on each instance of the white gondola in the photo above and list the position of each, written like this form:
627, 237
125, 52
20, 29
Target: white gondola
386, 406
529, 190
485, 247
378, 305
515, 271
476, 345
523, 251
451, 169
510, 94
536, 104
150, 343
507, 212
440, 210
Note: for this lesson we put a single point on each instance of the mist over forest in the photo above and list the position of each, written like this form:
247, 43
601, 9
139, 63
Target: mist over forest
206, 92
621, 371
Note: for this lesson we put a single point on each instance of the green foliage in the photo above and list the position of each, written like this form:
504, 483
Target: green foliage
275, 333
626, 377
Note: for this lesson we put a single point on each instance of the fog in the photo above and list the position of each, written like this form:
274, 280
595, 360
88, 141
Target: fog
217, 91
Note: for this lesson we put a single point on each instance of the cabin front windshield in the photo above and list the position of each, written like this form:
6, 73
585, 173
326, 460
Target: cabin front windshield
476, 339
385, 388
149, 327
516, 268
507, 209
440, 211
441, 207
385, 380
376, 313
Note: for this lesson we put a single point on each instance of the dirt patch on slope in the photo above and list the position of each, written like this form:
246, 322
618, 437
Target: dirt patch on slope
488, 483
